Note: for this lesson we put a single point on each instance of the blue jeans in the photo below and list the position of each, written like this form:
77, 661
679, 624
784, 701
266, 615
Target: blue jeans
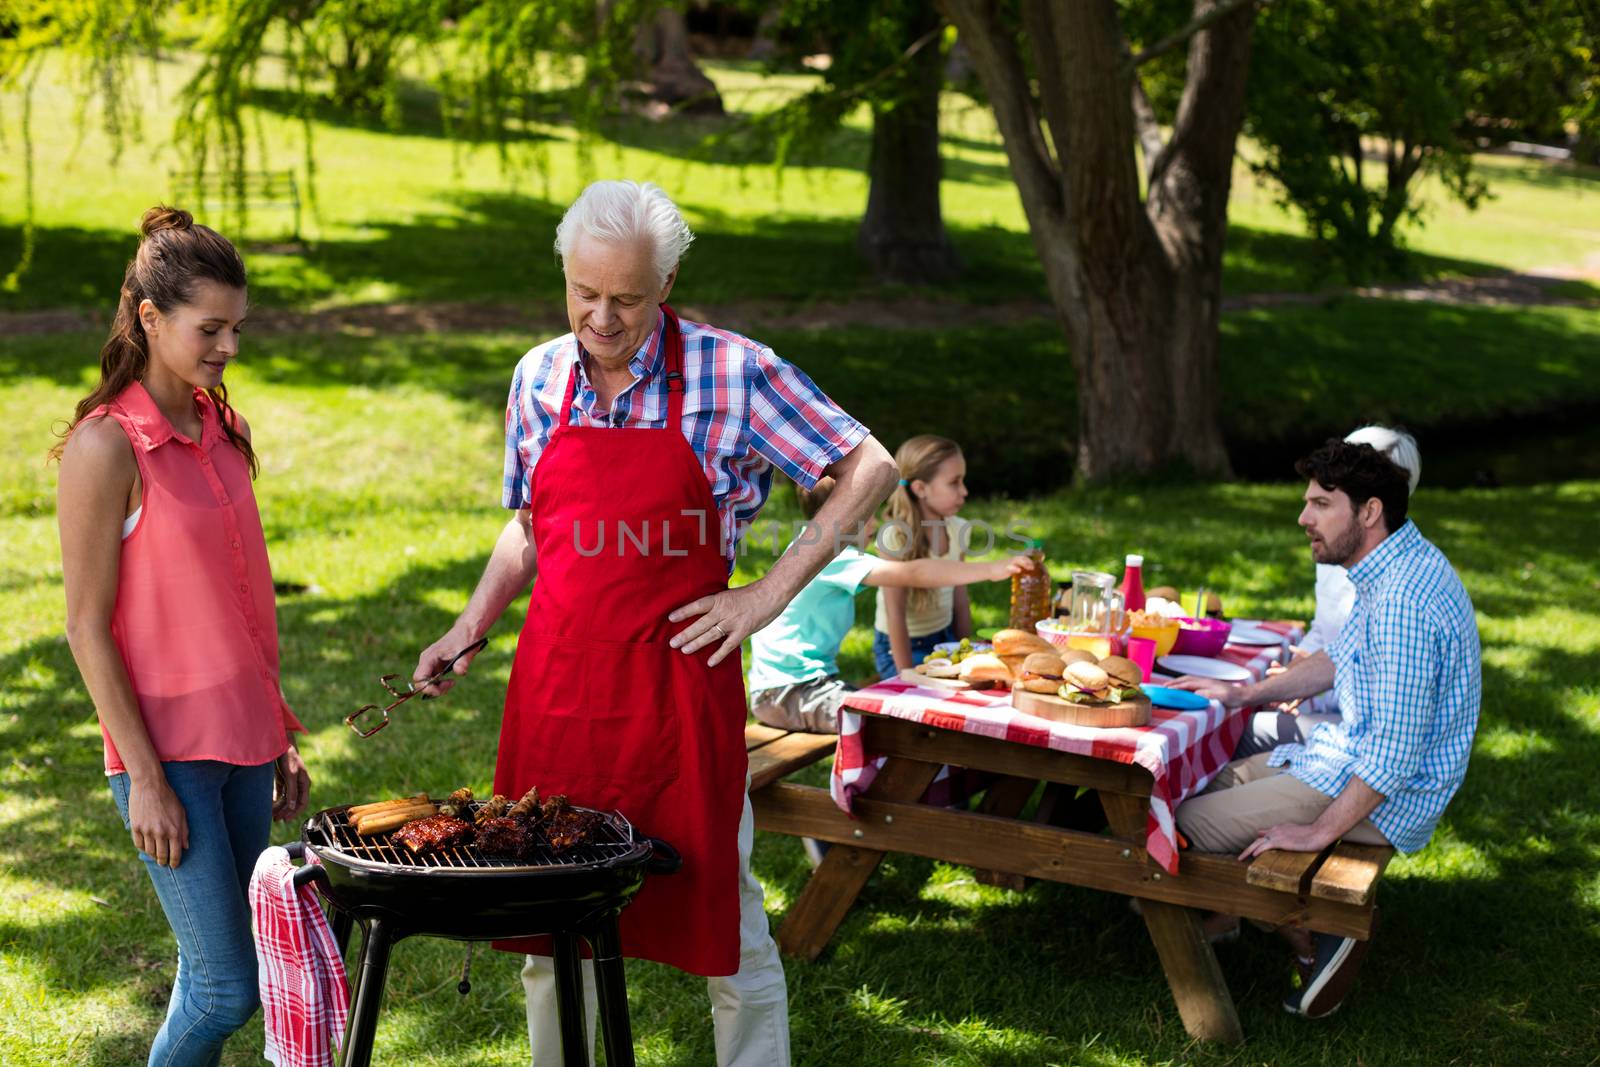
921, 647
229, 810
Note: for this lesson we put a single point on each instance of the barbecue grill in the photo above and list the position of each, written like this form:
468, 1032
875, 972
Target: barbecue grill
462, 894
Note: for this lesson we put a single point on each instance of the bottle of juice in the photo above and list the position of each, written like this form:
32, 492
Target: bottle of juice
1133, 584
1030, 591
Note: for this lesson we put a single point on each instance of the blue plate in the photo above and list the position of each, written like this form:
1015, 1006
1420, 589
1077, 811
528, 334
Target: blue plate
1177, 699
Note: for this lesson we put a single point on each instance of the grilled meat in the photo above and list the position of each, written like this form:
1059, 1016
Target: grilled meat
566, 828
508, 838
432, 834
557, 803
458, 804
493, 808
527, 807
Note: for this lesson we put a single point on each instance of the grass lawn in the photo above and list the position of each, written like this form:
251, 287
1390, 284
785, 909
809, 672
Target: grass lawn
388, 520
405, 214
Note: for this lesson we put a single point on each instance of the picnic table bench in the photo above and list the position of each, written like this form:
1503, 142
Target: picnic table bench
1329, 892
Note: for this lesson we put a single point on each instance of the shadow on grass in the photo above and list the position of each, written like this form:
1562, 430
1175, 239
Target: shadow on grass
1478, 932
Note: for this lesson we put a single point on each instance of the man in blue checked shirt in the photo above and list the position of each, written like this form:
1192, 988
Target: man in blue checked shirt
1407, 672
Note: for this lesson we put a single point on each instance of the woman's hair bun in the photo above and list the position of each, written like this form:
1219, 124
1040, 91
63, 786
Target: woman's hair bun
162, 217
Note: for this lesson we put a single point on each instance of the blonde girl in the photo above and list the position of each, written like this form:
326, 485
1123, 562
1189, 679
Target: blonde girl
920, 522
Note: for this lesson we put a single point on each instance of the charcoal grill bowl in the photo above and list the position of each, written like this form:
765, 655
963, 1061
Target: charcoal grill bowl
479, 904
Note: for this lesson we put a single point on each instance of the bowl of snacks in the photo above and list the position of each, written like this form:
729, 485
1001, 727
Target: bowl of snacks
1201, 637
1163, 631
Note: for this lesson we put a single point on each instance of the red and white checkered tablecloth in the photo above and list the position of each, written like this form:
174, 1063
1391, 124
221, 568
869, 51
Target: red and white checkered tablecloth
1182, 750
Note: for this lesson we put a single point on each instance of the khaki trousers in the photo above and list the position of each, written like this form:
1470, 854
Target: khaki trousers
749, 1010
1247, 796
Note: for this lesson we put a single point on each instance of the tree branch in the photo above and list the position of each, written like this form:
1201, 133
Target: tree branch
1000, 69
1151, 141
1198, 23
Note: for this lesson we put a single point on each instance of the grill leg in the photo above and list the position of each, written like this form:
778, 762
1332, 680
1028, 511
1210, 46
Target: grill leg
341, 929
613, 994
376, 940
569, 1002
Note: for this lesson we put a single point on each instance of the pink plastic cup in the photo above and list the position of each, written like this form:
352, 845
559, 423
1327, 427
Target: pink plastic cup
1142, 651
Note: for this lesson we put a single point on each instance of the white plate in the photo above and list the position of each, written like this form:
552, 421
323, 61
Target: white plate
1248, 632
944, 648
1204, 667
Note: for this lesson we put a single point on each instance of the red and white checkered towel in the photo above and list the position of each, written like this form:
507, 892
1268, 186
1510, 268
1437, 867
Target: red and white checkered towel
1182, 750
304, 996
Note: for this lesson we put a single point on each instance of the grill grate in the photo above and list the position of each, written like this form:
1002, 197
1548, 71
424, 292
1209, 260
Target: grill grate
612, 841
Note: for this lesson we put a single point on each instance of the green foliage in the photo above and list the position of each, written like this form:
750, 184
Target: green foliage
868, 48
1353, 102
1338, 90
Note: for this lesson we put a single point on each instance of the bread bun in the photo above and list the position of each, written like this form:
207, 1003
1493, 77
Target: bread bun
1165, 592
1087, 678
984, 667
1078, 655
1044, 663
1122, 672
1019, 643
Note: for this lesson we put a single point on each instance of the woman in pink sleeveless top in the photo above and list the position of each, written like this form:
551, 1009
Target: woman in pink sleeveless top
171, 619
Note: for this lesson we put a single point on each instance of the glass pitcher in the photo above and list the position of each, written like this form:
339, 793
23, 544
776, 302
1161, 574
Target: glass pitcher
1096, 604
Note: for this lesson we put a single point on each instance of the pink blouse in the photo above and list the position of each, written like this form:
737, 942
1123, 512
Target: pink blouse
195, 619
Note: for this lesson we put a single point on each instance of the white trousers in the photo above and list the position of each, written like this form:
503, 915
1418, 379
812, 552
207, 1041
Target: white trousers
749, 1010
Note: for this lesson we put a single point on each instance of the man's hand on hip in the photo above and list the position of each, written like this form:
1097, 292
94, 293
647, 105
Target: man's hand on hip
724, 619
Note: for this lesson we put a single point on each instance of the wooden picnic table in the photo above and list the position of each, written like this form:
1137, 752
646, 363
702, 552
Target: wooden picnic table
1328, 892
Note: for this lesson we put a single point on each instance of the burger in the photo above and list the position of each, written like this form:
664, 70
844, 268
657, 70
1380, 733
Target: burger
1124, 677
1078, 655
1042, 672
985, 668
1084, 683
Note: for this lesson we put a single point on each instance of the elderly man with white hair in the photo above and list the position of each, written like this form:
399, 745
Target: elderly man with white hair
1336, 597
638, 448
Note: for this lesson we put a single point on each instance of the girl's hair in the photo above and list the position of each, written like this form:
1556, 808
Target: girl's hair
919, 459
174, 254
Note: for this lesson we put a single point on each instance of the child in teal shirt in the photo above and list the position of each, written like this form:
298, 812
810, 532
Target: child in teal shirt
794, 672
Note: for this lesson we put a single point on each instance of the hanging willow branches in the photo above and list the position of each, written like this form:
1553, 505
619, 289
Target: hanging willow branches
103, 38
497, 66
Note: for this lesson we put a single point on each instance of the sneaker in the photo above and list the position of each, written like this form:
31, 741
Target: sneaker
1338, 959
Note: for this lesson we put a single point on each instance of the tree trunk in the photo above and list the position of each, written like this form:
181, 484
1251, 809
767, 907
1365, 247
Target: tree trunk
902, 235
1136, 280
676, 80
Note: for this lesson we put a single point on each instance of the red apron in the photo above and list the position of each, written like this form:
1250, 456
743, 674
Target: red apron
599, 706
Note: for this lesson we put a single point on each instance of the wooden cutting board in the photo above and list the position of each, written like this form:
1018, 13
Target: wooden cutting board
916, 677
1127, 713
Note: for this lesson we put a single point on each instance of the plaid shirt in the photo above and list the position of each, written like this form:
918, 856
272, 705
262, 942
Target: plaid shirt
1409, 679
745, 411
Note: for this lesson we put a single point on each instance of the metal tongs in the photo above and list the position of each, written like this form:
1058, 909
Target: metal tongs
413, 688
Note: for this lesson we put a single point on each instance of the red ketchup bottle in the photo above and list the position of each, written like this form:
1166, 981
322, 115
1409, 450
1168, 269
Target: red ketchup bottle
1133, 584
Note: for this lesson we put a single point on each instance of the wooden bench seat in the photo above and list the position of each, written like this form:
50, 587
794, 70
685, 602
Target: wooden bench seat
1345, 872
776, 753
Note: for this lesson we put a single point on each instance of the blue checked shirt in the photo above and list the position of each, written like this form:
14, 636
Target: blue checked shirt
1408, 675
745, 411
